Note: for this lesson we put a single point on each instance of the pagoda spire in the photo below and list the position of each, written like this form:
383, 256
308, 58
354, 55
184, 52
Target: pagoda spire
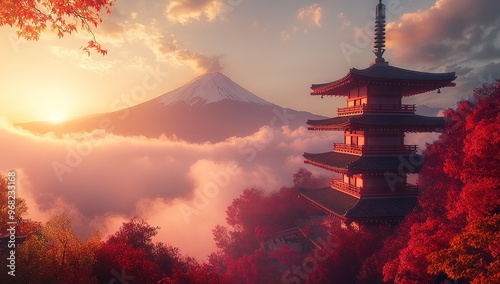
379, 43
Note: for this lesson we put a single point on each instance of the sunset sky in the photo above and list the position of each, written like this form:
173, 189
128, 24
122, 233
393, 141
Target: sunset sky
276, 49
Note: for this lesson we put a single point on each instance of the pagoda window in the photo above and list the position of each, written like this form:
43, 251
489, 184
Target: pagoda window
345, 178
357, 102
359, 182
361, 140
354, 138
347, 140
352, 180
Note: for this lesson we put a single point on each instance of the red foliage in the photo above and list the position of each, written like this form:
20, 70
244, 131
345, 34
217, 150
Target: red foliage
252, 217
460, 181
124, 259
31, 18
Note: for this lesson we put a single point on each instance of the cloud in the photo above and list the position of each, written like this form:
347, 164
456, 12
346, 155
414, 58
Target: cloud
167, 48
185, 11
102, 179
306, 18
311, 15
451, 36
80, 59
448, 31
122, 28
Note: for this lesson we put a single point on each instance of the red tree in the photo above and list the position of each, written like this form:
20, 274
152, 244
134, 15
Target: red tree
460, 182
31, 18
251, 217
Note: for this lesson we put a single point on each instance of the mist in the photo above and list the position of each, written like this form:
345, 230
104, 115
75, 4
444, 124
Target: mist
101, 180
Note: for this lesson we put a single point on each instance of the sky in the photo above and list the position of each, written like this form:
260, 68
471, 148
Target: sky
276, 50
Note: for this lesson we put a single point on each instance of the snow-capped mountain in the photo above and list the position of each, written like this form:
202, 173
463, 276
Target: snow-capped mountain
210, 108
211, 88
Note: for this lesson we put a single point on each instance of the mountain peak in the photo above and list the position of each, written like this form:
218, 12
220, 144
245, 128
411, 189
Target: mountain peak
210, 88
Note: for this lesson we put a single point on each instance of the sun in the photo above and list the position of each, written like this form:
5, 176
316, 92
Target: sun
56, 118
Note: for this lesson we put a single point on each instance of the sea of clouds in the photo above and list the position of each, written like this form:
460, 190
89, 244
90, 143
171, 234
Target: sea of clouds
101, 180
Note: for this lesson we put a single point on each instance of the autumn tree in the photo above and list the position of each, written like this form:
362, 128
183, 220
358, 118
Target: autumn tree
31, 18
251, 217
24, 226
56, 255
460, 184
473, 254
129, 252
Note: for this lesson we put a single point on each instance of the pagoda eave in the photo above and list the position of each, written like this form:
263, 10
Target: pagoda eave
327, 167
377, 165
350, 208
410, 82
395, 122
365, 127
329, 200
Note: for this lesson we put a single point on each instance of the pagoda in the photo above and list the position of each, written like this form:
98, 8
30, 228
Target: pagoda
373, 162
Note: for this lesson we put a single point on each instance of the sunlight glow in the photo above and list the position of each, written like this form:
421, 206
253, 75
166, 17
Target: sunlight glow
56, 118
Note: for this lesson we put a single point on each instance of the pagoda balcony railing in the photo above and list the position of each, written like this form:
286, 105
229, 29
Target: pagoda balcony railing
374, 149
345, 187
376, 108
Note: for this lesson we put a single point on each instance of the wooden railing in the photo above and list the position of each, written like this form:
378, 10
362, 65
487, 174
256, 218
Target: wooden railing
374, 149
346, 148
408, 189
345, 187
384, 108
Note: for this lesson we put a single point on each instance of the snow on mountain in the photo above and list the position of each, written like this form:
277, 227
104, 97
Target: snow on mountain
210, 88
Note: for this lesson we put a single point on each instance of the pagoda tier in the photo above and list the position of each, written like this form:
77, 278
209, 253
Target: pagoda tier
401, 122
409, 82
373, 159
352, 164
361, 210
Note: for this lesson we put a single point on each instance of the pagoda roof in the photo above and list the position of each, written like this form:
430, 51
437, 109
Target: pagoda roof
410, 82
346, 206
403, 122
352, 164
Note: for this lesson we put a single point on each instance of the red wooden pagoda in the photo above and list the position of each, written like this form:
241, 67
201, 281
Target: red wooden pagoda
373, 159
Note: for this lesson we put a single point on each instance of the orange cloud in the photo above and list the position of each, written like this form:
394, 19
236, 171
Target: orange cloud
311, 14
306, 18
185, 11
